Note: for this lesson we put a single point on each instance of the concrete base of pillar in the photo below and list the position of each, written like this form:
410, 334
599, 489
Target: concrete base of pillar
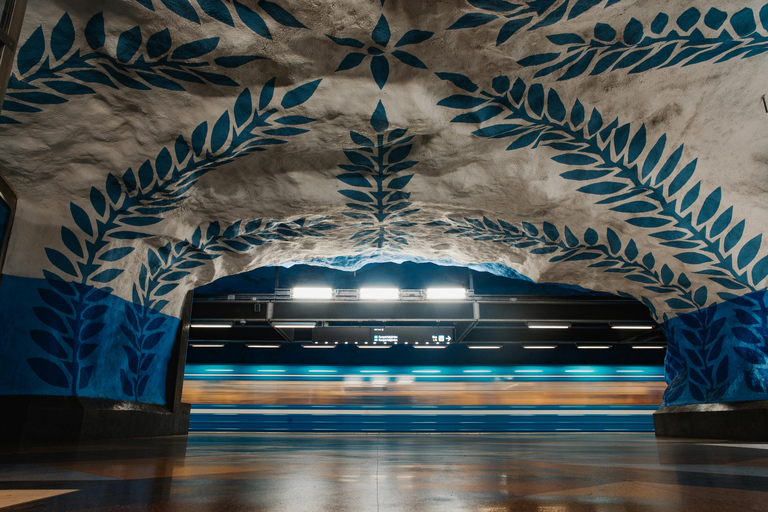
35, 419
742, 421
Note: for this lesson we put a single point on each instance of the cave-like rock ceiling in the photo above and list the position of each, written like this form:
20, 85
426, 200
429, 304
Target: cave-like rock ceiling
613, 144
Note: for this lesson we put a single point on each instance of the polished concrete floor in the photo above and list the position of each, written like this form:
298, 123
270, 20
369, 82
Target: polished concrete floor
389, 472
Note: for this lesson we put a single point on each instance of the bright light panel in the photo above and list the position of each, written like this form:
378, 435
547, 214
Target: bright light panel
649, 346
373, 346
426, 346
206, 345
263, 346
294, 325
631, 326
593, 346
318, 346
210, 325
312, 293
484, 347
379, 294
446, 294
539, 347
548, 325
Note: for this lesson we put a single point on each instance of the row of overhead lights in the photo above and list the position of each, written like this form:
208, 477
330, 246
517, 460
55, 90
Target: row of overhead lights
417, 345
311, 325
315, 293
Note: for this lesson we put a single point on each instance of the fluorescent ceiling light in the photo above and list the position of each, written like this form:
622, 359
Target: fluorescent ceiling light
483, 347
374, 371
426, 346
446, 293
210, 325
593, 346
632, 326
528, 371
630, 371
294, 325
272, 371
477, 371
426, 371
263, 346
312, 293
318, 346
215, 370
373, 346
206, 345
539, 347
379, 293
649, 346
580, 371
322, 371
548, 325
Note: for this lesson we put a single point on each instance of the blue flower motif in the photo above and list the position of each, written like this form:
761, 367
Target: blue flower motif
379, 52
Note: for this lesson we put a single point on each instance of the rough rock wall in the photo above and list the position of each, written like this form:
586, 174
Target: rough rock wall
159, 144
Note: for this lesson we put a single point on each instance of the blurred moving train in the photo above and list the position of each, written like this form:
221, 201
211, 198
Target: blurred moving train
422, 399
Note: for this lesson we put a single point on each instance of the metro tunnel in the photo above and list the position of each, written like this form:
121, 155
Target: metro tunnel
383, 255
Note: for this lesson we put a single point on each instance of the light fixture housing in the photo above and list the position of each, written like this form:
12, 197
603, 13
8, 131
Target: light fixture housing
294, 325
539, 347
311, 293
660, 347
548, 325
643, 327
446, 293
318, 346
206, 345
484, 347
379, 294
593, 347
210, 325
261, 346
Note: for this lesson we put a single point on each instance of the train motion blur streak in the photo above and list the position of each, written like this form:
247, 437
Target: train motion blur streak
422, 399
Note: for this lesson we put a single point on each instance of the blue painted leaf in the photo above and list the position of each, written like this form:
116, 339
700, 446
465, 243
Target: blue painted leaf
494, 5
746, 318
583, 174
380, 70
163, 163
128, 44
746, 335
743, 22
356, 196
85, 376
570, 239
536, 99
690, 197
510, 27
95, 312
140, 221
760, 271
280, 15
595, 122
764, 16
69, 88
165, 289
346, 41
581, 7
217, 10
409, 59
666, 274
693, 258
243, 107
184, 9
669, 165
129, 235
473, 19
91, 330
555, 107
461, 101
38, 98
603, 188
199, 135
398, 183
635, 207
381, 32
648, 222
700, 297
649, 261
682, 178
750, 355
195, 49
31, 52
679, 304
220, 132
530, 229
355, 180
252, 20
213, 230
107, 275
538, 59
749, 251
710, 206
116, 254
733, 237
553, 17
49, 343
152, 340
300, 94
71, 242
361, 140
94, 31
524, 141
631, 251
51, 319
159, 43
124, 380
62, 37
49, 372
591, 237
146, 174
633, 32
61, 262
458, 80
574, 159
659, 23
350, 61
604, 32
414, 37
399, 153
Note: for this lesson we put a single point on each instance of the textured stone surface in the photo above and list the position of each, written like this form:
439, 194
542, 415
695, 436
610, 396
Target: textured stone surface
390, 130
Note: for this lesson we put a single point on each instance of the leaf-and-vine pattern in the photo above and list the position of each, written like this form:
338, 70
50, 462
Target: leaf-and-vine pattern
125, 209
512, 17
168, 265
52, 69
636, 177
377, 171
691, 39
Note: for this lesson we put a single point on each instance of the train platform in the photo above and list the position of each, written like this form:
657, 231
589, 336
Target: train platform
546, 472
